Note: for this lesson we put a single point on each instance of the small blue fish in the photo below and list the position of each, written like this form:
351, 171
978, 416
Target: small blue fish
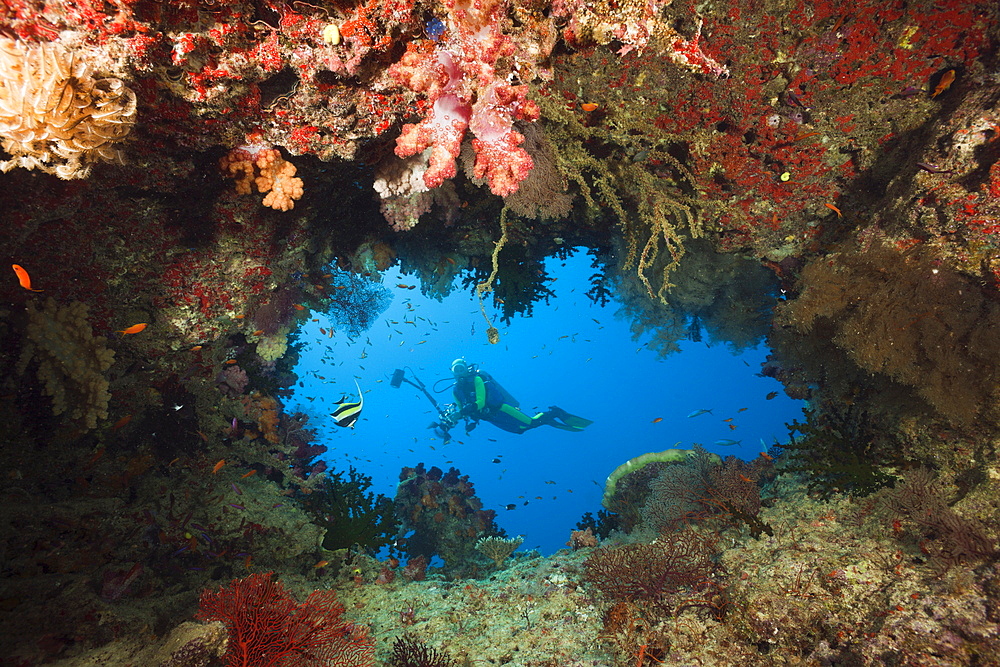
727, 443
347, 413
699, 412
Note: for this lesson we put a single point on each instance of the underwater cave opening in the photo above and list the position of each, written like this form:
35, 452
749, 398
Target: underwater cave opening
570, 353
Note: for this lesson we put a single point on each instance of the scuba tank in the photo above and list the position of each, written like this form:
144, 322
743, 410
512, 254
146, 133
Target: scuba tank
493, 386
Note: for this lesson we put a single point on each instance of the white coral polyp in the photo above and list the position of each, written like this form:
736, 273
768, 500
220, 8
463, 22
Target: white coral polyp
55, 115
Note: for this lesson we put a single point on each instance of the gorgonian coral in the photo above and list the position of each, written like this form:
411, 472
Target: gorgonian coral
55, 114
649, 573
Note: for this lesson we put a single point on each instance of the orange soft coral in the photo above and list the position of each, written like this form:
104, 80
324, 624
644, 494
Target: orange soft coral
266, 170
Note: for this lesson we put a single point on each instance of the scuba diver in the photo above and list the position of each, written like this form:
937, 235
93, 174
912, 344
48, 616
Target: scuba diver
479, 397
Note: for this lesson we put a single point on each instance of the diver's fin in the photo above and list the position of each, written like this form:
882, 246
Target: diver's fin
575, 423
564, 427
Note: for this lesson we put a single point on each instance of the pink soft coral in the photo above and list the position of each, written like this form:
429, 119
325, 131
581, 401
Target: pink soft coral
460, 78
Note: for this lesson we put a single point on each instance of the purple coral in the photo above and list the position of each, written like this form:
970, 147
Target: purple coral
650, 572
233, 381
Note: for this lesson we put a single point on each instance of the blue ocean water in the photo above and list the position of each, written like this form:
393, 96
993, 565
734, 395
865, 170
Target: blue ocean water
570, 353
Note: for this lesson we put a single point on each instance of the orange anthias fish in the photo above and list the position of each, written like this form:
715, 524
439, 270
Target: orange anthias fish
658, 420
23, 278
589, 106
218, 466
944, 84
134, 329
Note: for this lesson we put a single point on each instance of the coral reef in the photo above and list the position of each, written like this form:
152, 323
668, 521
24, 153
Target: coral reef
445, 516
840, 450
848, 167
56, 114
465, 82
920, 500
651, 573
408, 651
193, 645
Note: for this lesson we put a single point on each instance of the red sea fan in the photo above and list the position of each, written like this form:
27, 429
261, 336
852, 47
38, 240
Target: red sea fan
267, 628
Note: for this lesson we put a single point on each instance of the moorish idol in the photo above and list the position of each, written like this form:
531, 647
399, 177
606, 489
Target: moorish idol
347, 413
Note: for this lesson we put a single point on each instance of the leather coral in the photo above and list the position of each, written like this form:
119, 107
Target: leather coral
56, 114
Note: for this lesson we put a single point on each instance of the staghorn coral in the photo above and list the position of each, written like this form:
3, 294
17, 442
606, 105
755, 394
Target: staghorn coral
71, 360
56, 115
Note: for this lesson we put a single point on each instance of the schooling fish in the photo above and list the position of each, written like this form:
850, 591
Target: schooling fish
347, 413
699, 412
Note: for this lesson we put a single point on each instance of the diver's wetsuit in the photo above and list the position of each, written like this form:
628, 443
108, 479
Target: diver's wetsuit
480, 398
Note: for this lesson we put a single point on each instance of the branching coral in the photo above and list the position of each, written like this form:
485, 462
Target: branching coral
268, 171
267, 627
948, 536
408, 651
351, 514
444, 515
730, 297
651, 572
841, 449
497, 548
55, 114
701, 486
71, 360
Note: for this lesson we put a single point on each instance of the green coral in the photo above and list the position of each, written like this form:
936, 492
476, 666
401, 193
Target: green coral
272, 348
351, 514
840, 451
